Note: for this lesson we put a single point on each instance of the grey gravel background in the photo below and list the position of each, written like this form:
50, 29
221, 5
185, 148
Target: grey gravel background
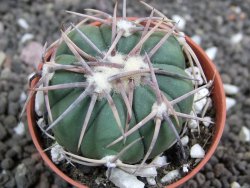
216, 22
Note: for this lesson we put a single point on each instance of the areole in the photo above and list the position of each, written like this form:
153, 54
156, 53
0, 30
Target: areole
218, 98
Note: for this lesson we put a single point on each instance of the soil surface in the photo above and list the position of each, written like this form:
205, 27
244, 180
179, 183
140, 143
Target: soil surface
27, 24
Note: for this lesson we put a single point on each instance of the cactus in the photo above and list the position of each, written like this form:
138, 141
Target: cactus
118, 88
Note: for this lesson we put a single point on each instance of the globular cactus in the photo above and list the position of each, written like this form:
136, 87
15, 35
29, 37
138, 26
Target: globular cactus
118, 88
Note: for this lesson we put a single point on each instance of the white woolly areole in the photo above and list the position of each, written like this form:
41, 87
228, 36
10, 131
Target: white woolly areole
100, 79
125, 26
162, 108
57, 154
46, 70
117, 58
108, 160
135, 63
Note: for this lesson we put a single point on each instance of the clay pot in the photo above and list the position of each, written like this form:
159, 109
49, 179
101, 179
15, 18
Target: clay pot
219, 105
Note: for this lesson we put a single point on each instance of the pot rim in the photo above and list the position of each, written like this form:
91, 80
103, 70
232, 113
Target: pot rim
218, 99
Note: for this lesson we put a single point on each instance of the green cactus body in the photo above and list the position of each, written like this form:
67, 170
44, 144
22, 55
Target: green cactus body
102, 128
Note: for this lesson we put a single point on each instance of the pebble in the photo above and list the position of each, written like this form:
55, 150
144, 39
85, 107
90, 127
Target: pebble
7, 164
230, 102
197, 151
13, 108
207, 122
151, 181
23, 23
170, 176
3, 104
26, 37
1, 27
31, 54
211, 52
216, 183
197, 39
219, 169
20, 129
3, 132
2, 58
244, 134
25, 177
235, 185
124, 180
184, 140
231, 89
201, 179
181, 22
236, 38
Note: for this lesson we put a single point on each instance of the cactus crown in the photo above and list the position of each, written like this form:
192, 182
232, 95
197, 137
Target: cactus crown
118, 89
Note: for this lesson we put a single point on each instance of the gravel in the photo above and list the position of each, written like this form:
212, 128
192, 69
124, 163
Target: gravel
221, 24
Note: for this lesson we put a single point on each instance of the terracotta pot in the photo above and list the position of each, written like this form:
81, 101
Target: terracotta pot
218, 97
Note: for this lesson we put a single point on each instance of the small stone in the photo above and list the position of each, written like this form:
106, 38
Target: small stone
196, 39
200, 178
10, 121
31, 54
22, 97
219, 169
57, 154
236, 38
197, 151
211, 52
216, 183
184, 140
185, 168
235, 185
7, 163
230, 102
194, 73
244, 134
159, 161
23, 23
124, 180
230, 89
2, 58
3, 104
20, 129
181, 22
13, 108
151, 181
206, 123
3, 132
210, 175
27, 37
170, 176
25, 177
1, 28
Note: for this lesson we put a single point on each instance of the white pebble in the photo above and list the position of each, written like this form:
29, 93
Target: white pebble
124, 180
170, 176
181, 22
244, 134
230, 89
206, 123
20, 129
184, 140
185, 168
201, 99
151, 181
57, 154
39, 103
197, 152
159, 161
236, 38
230, 102
211, 52
41, 123
23, 23
196, 39
235, 185
26, 37
142, 172
22, 97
